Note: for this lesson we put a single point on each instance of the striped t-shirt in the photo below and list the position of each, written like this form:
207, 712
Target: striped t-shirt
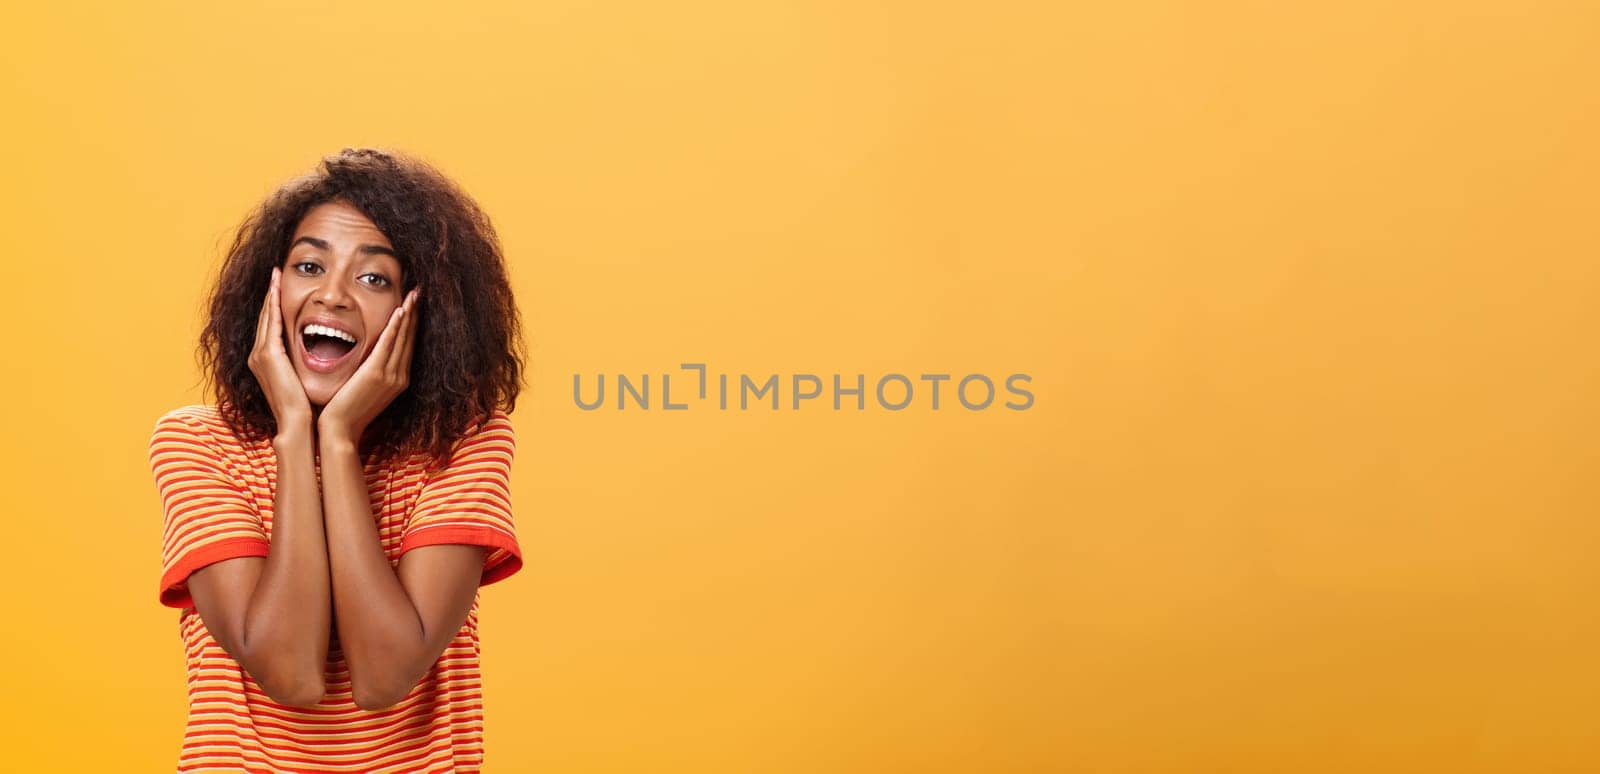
218, 492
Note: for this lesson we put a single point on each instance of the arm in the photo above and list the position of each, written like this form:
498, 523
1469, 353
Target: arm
272, 614
393, 626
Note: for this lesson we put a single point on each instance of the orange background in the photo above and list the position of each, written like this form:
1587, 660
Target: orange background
1308, 296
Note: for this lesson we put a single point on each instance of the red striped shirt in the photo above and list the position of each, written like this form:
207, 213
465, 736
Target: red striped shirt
218, 493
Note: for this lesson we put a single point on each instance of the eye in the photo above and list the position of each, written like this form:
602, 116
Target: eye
308, 267
375, 280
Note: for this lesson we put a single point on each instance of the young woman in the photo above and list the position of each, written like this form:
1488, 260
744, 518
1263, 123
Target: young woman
329, 520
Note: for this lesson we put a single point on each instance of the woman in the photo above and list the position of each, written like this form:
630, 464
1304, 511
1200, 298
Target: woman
329, 521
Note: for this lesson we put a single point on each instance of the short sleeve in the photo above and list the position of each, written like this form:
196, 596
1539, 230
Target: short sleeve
468, 501
209, 515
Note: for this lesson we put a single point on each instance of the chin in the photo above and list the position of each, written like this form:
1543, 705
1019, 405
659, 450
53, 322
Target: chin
318, 392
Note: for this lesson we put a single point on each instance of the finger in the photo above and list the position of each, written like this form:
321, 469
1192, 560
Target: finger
261, 319
411, 337
407, 343
397, 352
275, 323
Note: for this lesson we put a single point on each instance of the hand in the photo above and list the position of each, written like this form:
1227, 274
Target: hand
269, 361
380, 379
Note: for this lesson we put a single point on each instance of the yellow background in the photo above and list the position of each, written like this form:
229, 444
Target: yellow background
1308, 296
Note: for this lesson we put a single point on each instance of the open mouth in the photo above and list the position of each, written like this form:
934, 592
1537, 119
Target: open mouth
325, 348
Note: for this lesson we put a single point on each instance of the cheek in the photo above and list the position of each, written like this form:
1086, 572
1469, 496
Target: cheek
380, 320
289, 302
289, 298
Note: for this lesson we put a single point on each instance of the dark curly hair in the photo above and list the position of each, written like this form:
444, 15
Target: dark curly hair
468, 357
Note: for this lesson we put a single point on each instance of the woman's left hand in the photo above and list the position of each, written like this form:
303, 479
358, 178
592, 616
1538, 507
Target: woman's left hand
375, 384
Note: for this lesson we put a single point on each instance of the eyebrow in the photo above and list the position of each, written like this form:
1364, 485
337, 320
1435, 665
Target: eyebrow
322, 244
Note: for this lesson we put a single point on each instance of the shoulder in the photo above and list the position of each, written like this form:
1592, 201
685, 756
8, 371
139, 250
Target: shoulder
498, 421
188, 420
489, 440
194, 425
496, 428
194, 413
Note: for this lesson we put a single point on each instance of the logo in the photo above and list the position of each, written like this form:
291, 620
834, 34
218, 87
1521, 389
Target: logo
804, 392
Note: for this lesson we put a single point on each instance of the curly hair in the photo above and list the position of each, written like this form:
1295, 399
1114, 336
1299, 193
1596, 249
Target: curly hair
468, 357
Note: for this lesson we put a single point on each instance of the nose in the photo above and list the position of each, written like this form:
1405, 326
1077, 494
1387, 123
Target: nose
331, 292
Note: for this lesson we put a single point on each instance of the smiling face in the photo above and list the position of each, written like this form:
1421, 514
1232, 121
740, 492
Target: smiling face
341, 281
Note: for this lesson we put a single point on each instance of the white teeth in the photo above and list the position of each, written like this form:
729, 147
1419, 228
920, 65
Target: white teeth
324, 330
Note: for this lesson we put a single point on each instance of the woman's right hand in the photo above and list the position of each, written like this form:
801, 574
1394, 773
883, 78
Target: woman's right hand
273, 370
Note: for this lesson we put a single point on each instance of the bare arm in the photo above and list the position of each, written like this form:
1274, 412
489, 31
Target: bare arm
272, 614
393, 625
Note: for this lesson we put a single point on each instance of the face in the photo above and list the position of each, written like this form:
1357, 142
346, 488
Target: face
341, 281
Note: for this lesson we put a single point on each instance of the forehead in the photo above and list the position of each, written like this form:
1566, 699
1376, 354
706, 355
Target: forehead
338, 222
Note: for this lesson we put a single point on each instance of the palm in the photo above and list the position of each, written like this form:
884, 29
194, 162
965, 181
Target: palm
269, 361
